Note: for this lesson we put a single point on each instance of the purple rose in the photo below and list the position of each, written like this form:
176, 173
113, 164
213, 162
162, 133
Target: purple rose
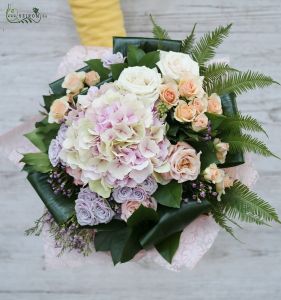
122, 194
91, 209
138, 194
54, 151
149, 185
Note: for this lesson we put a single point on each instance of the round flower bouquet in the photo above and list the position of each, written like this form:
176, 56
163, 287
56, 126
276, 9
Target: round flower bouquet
134, 148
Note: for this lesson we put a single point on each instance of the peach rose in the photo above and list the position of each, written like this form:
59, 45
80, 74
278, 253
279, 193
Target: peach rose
214, 104
58, 110
221, 150
221, 186
92, 78
213, 174
73, 82
200, 123
169, 94
184, 112
190, 86
200, 104
184, 162
129, 207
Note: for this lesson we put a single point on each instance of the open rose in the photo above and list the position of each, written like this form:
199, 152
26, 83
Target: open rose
184, 112
185, 162
141, 81
200, 123
214, 104
92, 78
58, 110
200, 104
190, 86
174, 65
73, 82
169, 94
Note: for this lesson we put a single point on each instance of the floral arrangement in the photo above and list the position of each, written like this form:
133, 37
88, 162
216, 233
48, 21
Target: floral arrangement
136, 146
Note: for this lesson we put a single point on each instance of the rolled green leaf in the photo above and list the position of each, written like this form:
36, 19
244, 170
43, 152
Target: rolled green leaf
61, 208
120, 44
229, 107
174, 220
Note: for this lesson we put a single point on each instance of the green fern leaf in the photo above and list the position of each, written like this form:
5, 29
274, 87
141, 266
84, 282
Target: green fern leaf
221, 220
204, 50
188, 42
159, 32
240, 82
241, 203
247, 143
237, 122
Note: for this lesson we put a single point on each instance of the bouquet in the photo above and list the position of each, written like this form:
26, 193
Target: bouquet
134, 147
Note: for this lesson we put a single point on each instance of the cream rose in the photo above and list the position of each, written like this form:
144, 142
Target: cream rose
221, 150
221, 186
214, 104
73, 82
58, 110
169, 94
141, 81
200, 104
213, 174
92, 78
200, 123
191, 86
184, 112
174, 65
184, 162
129, 207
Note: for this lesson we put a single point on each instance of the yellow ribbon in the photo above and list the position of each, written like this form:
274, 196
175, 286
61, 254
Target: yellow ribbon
97, 21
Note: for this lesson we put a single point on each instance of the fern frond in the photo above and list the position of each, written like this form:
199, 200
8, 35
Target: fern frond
238, 122
159, 32
240, 82
204, 50
188, 42
247, 143
239, 202
213, 72
221, 220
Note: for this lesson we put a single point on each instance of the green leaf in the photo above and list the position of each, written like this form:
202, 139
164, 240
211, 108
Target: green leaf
38, 162
141, 215
247, 143
170, 194
159, 32
62, 208
150, 59
116, 70
174, 220
240, 202
216, 120
208, 153
42, 135
135, 54
240, 82
120, 44
188, 42
204, 50
97, 65
169, 246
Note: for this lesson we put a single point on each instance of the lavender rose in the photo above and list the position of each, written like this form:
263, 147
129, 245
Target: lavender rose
149, 185
138, 194
122, 194
112, 58
91, 209
54, 151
